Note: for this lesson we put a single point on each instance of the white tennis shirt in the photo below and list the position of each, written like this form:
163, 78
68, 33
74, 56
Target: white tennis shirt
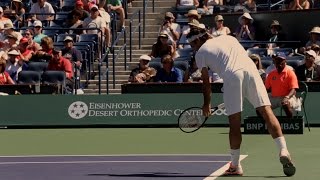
224, 55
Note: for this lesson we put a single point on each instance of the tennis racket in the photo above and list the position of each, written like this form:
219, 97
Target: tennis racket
191, 119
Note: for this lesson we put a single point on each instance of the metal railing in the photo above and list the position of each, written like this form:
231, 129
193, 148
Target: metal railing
145, 5
103, 59
115, 56
138, 27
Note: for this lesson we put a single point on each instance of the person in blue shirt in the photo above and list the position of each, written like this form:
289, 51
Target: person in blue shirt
168, 73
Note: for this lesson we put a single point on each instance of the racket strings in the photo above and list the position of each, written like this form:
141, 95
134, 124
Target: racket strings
190, 120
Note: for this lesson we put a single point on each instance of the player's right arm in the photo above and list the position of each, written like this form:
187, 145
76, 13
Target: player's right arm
206, 89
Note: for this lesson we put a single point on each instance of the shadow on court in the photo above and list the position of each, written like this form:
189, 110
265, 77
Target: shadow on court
153, 174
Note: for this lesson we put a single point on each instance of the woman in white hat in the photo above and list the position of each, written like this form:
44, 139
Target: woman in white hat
192, 15
245, 30
314, 36
219, 28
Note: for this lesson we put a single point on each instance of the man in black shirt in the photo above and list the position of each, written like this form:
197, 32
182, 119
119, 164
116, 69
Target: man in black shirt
309, 71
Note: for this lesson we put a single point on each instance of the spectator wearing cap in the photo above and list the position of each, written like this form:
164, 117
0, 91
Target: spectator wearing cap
219, 28
87, 4
14, 64
272, 67
19, 11
59, 63
9, 44
9, 29
96, 21
42, 10
116, 6
309, 71
71, 53
170, 27
81, 12
32, 45
283, 83
25, 53
38, 35
276, 35
143, 73
3, 19
45, 53
169, 73
245, 31
299, 5
162, 47
4, 75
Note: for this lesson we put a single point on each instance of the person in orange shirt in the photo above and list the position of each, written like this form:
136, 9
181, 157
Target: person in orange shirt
283, 83
59, 63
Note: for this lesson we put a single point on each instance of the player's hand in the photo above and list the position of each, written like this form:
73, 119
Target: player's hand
206, 110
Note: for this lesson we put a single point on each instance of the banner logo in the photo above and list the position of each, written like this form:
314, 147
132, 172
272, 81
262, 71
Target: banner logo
78, 110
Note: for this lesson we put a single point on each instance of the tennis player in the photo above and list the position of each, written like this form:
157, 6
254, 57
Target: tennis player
226, 56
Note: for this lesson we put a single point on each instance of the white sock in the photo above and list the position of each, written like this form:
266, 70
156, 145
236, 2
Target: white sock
281, 143
235, 156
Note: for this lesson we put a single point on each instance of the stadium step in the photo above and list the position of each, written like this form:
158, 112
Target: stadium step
117, 78
135, 21
103, 86
150, 10
155, 15
144, 41
163, 3
103, 91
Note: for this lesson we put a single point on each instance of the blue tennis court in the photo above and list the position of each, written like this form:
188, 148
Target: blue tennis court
113, 167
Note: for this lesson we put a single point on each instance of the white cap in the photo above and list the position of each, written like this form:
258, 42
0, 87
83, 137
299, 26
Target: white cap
312, 53
145, 57
68, 38
94, 6
13, 52
37, 23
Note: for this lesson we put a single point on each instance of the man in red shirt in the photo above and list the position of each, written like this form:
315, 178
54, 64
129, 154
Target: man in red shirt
59, 63
283, 83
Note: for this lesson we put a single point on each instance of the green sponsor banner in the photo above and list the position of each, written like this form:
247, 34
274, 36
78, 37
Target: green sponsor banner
135, 109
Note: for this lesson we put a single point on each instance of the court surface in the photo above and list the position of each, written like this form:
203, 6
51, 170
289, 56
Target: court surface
151, 153
113, 167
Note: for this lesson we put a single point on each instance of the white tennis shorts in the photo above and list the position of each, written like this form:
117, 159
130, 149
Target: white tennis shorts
244, 84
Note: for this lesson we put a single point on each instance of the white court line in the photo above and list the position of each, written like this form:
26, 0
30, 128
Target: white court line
219, 172
97, 162
111, 155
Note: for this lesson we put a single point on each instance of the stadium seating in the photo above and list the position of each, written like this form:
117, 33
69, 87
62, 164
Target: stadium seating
54, 77
29, 77
37, 66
